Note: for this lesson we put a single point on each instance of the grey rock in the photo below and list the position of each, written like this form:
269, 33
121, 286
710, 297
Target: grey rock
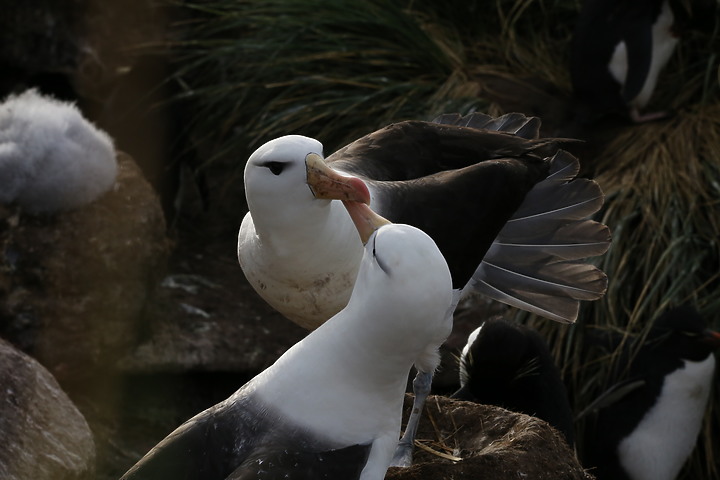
75, 285
43, 435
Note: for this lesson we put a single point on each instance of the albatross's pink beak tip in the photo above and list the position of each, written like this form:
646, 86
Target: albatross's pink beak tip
326, 183
363, 193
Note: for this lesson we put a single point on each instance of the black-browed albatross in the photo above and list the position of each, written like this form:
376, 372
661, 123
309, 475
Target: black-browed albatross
502, 205
331, 406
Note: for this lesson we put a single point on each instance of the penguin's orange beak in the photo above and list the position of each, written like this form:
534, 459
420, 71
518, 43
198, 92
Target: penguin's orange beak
711, 338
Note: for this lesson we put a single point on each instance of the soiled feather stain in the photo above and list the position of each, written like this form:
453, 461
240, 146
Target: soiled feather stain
322, 282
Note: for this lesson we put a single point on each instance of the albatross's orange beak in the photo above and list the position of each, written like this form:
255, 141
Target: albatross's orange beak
366, 221
326, 183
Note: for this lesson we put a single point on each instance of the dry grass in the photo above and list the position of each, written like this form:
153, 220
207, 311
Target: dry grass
661, 183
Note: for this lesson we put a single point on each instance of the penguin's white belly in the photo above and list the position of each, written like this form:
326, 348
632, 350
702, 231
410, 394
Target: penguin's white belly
666, 435
663, 45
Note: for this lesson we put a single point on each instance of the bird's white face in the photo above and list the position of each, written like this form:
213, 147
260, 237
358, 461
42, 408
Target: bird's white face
280, 192
275, 176
404, 270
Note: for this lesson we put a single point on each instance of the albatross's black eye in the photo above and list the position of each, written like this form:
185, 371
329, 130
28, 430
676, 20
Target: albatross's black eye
275, 167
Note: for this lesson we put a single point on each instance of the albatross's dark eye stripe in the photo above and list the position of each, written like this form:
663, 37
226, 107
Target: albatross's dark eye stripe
379, 262
275, 167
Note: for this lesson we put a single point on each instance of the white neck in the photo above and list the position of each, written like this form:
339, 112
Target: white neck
305, 271
292, 234
334, 377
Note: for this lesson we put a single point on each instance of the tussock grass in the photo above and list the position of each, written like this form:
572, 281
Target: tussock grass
258, 70
661, 182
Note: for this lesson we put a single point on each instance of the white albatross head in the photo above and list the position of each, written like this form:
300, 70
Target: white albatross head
276, 180
404, 274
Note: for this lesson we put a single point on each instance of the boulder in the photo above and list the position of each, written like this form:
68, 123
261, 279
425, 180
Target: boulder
43, 435
76, 283
464, 440
210, 321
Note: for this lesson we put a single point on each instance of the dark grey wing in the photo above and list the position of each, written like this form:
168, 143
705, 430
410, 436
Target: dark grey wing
411, 150
209, 446
462, 210
537, 262
515, 123
285, 464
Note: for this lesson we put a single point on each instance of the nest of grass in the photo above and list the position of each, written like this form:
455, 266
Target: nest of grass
459, 440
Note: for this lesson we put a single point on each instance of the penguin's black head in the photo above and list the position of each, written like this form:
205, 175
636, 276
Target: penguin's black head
503, 352
685, 332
